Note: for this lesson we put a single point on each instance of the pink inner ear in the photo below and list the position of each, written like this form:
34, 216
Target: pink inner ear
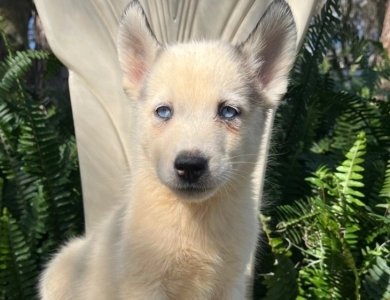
270, 54
266, 73
136, 67
137, 73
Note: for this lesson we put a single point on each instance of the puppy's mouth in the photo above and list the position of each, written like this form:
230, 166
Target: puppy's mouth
193, 191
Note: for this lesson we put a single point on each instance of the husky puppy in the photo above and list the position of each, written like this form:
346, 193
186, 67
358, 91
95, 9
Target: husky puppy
188, 224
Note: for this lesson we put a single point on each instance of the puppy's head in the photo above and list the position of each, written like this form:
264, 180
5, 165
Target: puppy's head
199, 107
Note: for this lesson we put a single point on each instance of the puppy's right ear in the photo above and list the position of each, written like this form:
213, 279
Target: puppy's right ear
137, 47
271, 50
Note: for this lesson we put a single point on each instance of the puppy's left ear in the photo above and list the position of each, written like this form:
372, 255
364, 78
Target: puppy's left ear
137, 48
270, 51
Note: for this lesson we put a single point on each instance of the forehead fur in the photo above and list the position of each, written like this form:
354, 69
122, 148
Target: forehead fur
199, 70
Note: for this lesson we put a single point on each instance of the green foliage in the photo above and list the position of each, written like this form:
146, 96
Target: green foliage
17, 265
281, 283
330, 228
40, 194
341, 244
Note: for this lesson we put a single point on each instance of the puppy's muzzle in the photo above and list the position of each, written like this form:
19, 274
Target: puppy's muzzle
190, 167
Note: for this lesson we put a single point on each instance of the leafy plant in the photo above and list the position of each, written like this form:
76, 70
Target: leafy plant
342, 243
40, 195
330, 228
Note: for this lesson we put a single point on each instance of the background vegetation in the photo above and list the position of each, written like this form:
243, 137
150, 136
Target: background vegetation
40, 191
327, 218
327, 237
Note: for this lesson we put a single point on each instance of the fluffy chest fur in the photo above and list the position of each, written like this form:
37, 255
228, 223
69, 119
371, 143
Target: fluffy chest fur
191, 249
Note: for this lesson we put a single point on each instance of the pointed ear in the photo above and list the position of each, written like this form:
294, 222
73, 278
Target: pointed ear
271, 50
137, 47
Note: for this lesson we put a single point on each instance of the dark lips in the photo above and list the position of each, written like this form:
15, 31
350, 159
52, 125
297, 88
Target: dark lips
191, 189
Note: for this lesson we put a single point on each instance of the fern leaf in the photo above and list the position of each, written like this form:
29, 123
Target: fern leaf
15, 67
377, 282
41, 154
349, 172
385, 192
281, 282
10, 164
39, 180
293, 220
17, 266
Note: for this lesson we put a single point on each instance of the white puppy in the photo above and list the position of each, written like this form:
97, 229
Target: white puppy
191, 225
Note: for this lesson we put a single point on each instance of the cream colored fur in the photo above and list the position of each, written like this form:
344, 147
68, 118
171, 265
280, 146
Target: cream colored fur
166, 242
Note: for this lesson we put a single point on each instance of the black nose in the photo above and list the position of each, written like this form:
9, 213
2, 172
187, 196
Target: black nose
190, 167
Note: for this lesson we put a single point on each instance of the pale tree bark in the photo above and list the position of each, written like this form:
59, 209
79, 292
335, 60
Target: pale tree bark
385, 36
365, 15
385, 39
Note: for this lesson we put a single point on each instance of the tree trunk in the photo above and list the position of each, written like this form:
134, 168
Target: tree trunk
15, 16
385, 37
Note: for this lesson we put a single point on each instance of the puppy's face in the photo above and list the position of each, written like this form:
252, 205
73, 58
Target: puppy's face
200, 113
200, 106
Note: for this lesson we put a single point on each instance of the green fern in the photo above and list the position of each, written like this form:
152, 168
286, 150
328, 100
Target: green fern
281, 282
349, 173
16, 66
17, 265
40, 185
42, 158
385, 192
328, 229
377, 280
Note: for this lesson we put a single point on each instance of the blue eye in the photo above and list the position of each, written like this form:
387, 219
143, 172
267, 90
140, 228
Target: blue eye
228, 112
164, 112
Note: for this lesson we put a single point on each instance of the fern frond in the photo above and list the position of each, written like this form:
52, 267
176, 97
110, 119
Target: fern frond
377, 282
15, 67
308, 78
294, 220
377, 231
41, 155
39, 182
385, 191
349, 173
11, 165
281, 282
319, 39
17, 266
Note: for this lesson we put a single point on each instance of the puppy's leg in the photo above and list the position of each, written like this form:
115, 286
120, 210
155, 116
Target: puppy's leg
56, 281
